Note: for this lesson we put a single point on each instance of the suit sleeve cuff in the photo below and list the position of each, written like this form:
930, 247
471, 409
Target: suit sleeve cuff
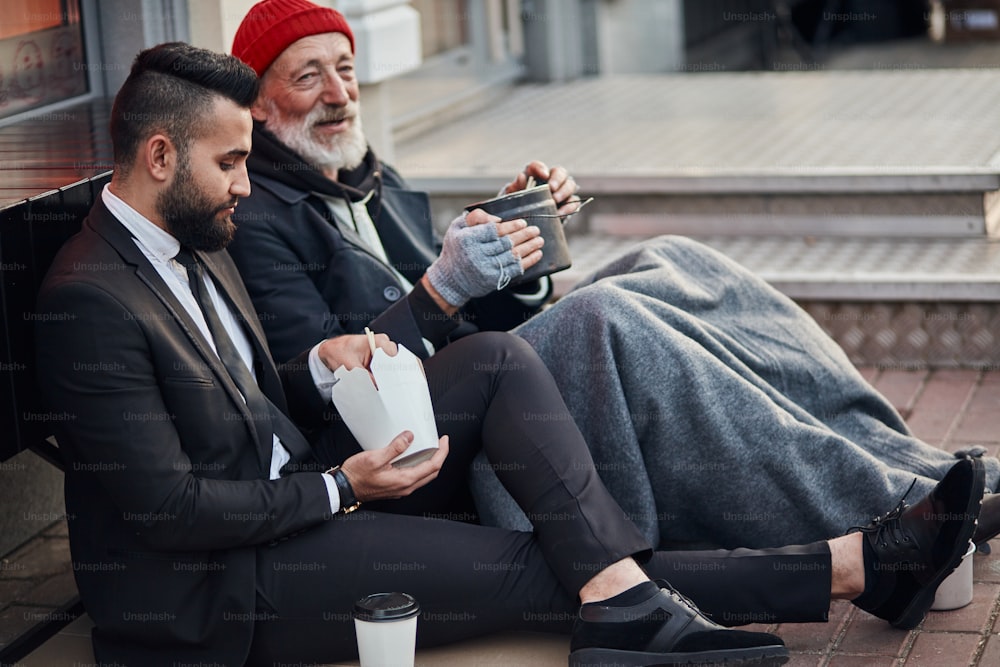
434, 324
323, 377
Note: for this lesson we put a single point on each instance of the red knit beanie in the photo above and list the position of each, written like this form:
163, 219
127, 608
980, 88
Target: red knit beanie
271, 26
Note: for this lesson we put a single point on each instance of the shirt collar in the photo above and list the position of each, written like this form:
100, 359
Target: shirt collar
158, 242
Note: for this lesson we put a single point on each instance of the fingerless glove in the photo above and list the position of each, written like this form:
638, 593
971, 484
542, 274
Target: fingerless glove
473, 262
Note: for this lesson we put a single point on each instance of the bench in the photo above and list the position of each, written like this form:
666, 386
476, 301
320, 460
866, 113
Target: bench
32, 229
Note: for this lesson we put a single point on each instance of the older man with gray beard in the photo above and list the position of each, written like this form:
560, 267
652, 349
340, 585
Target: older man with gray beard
689, 377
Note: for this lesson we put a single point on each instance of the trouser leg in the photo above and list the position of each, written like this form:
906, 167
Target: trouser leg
469, 580
475, 580
490, 391
784, 585
536, 450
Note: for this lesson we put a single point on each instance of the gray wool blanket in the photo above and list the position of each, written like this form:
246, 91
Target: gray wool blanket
717, 412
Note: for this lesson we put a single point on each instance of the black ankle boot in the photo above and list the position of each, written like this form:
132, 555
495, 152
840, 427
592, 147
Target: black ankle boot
654, 625
989, 521
911, 550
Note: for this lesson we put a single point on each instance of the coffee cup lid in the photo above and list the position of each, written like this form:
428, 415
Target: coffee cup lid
386, 607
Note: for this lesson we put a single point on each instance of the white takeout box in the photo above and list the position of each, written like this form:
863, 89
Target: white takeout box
402, 402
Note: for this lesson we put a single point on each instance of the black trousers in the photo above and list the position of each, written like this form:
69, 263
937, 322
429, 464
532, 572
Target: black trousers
491, 392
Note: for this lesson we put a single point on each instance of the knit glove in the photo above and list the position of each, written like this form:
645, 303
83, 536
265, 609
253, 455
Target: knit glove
474, 262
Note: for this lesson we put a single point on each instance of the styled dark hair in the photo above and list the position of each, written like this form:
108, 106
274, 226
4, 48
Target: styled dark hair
171, 89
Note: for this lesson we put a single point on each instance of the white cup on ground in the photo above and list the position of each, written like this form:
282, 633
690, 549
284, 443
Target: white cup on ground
956, 589
386, 628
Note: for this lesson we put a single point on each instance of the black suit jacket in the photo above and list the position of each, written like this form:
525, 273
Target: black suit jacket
167, 491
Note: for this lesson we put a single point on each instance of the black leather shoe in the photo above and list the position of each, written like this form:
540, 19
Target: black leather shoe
989, 520
915, 548
665, 629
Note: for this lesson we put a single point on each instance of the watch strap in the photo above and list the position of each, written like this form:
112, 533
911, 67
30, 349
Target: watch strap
348, 501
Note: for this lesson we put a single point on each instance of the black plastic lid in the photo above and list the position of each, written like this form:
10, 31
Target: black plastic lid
386, 607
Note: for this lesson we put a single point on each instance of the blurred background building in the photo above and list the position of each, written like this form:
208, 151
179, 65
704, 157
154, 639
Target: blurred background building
54, 52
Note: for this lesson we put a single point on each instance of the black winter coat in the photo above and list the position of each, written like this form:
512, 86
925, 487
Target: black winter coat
310, 279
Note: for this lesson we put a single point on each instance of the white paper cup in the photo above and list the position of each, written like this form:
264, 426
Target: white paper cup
956, 590
386, 628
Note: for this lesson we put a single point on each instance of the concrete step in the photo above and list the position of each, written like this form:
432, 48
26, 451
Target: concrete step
731, 209
951, 205
898, 153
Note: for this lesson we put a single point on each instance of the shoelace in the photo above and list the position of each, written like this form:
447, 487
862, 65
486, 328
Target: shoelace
681, 598
889, 523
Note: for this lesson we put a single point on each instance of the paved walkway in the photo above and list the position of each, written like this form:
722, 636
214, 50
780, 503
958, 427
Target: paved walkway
951, 409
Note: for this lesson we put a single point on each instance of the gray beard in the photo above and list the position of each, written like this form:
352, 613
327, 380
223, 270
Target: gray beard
347, 151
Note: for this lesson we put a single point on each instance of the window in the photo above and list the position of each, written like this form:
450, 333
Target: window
493, 27
41, 54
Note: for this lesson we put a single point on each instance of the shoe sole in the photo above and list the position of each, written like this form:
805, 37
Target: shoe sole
922, 601
759, 656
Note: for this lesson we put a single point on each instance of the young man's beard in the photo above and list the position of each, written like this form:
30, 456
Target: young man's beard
346, 150
190, 215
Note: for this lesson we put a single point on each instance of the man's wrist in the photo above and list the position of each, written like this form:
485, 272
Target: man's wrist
434, 324
439, 301
322, 375
348, 501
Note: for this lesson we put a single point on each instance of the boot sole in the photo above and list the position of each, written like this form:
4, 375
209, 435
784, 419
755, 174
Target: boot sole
922, 601
759, 656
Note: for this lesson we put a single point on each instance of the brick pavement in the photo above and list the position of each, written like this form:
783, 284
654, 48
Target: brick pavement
949, 408
952, 409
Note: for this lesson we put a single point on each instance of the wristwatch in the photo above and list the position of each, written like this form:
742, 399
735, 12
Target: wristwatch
348, 502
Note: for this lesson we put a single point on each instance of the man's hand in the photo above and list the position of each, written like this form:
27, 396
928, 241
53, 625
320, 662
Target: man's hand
353, 351
481, 255
373, 478
562, 185
525, 239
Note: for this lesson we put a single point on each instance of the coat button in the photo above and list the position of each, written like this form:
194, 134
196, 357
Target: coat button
391, 293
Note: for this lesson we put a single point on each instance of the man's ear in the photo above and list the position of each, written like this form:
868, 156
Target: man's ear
257, 110
160, 157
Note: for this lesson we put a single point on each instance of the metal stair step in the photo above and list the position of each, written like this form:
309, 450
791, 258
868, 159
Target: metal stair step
836, 268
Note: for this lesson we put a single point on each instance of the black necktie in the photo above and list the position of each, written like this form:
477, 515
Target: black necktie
267, 418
